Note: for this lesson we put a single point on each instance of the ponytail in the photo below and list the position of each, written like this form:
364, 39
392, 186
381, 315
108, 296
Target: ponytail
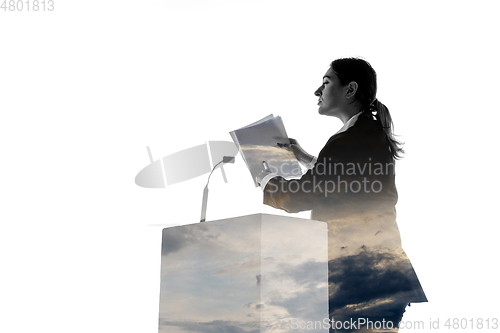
383, 117
361, 72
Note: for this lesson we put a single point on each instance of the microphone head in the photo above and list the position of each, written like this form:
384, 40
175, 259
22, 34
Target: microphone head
228, 159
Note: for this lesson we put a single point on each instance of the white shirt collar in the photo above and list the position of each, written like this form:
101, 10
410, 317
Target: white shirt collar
349, 123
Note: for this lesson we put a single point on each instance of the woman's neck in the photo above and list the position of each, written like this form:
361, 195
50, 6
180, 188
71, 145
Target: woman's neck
349, 111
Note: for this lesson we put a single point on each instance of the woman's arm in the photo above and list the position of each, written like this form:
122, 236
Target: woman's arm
353, 169
309, 191
302, 156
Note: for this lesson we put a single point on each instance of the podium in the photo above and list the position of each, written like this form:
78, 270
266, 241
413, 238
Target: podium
254, 273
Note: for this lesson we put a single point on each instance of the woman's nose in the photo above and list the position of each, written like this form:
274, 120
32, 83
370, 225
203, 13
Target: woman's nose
318, 91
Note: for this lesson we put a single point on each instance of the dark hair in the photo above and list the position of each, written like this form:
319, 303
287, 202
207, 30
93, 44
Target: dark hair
361, 72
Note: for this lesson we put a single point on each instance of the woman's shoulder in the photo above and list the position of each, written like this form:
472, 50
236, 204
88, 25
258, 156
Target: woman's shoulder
364, 129
366, 122
365, 135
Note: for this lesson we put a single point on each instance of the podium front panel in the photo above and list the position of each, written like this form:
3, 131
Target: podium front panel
256, 273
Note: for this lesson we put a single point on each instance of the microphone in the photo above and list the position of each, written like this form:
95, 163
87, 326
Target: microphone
225, 159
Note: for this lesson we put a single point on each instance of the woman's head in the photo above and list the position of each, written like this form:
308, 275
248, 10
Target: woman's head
350, 86
357, 70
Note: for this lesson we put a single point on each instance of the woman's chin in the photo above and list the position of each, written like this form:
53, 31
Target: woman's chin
323, 112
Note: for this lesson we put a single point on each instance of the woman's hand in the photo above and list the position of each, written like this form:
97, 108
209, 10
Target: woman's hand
299, 152
266, 171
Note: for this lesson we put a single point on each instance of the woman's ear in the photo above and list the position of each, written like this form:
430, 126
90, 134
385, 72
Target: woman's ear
352, 87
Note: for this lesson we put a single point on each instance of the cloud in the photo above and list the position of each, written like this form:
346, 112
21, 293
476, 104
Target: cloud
307, 272
240, 268
372, 284
301, 293
241, 275
281, 161
177, 238
216, 326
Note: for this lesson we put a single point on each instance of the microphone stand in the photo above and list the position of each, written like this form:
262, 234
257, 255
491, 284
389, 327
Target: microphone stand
225, 159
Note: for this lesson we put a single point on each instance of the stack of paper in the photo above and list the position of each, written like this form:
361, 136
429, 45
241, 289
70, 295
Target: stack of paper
263, 141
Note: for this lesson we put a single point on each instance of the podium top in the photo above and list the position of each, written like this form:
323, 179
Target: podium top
263, 217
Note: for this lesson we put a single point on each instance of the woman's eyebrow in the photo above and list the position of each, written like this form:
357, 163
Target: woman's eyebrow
326, 76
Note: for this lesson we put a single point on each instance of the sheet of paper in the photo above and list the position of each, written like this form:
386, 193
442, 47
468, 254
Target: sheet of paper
258, 142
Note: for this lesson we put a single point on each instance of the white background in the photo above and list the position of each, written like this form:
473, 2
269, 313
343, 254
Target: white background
85, 88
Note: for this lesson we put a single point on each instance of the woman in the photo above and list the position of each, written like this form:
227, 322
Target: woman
351, 186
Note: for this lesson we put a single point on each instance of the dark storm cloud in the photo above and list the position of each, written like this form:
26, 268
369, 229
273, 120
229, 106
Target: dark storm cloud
370, 276
385, 312
371, 284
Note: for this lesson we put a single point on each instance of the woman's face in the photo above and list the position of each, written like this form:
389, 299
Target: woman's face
331, 95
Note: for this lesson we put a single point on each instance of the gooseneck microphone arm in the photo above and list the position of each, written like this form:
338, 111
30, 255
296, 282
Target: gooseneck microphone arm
225, 159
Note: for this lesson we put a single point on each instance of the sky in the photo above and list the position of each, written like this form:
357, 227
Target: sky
86, 87
252, 271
